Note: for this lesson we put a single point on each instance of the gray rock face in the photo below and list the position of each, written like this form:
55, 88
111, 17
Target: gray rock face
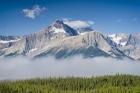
91, 44
6, 42
61, 41
132, 47
55, 31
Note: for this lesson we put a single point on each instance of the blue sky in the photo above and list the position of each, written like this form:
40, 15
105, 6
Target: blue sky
20, 17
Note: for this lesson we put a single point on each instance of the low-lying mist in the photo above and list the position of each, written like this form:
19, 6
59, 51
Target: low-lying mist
23, 68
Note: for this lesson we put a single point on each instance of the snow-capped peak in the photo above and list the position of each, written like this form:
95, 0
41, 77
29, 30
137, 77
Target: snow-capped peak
119, 38
115, 38
58, 30
60, 27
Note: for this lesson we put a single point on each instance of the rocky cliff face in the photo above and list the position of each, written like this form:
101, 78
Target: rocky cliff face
132, 47
61, 40
90, 44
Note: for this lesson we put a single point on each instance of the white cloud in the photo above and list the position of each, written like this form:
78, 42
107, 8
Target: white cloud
78, 23
34, 11
91, 22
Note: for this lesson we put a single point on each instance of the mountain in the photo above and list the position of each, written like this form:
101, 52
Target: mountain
129, 44
90, 44
69, 38
28, 43
132, 47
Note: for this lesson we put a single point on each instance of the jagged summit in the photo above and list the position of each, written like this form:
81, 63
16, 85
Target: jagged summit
59, 27
58, 23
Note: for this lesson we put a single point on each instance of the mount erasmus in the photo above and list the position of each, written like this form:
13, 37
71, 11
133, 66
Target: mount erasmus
68, 38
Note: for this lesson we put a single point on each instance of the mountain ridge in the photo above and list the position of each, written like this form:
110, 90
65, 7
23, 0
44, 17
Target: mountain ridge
62, 41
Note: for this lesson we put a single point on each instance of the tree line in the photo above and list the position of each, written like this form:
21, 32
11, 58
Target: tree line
103, 84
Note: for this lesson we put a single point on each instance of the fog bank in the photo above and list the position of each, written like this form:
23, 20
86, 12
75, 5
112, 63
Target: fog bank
23, 68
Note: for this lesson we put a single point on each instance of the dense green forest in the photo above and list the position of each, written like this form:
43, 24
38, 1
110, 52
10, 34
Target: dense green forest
104, 84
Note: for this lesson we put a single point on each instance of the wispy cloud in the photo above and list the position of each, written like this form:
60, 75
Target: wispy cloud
91, 22
34, 11
119, 20
135, 19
